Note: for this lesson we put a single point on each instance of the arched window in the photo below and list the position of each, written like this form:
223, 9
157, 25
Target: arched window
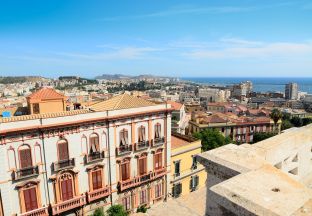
141, 134
124, 137
25, 159
62, 150
157, 130
66, 185
94, 145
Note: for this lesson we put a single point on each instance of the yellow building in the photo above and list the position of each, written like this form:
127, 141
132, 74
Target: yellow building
186, 174
46, 100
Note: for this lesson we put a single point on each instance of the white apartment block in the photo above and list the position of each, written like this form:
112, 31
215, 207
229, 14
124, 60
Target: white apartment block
70, 163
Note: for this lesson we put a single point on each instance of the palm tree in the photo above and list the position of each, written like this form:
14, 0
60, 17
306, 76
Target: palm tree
276, 115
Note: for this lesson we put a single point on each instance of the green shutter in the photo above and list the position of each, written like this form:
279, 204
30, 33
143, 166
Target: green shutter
196, 181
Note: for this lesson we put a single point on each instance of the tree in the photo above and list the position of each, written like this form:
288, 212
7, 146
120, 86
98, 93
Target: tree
211, 138
276, 115
259, 136
286, 124
116, 210
98, 212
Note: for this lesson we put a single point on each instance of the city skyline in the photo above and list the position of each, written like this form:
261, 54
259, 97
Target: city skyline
176, 38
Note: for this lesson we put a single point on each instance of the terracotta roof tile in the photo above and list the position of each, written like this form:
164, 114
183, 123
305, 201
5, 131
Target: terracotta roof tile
177, 142
175, 105
46, 93
45, 115
123, 101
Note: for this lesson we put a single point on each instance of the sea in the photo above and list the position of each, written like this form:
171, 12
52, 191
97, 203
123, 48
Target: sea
263, 84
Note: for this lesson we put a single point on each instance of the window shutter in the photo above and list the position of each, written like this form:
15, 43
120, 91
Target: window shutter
174, 191
179, 188
191, 183
67, 189
196, 181
125, 171
25, 158
63, 151
30, 199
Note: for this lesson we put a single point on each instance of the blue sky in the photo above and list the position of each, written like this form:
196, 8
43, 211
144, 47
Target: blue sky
177, 38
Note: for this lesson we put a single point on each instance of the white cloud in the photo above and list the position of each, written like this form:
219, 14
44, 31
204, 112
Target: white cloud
251, 49
183, 10
117, 53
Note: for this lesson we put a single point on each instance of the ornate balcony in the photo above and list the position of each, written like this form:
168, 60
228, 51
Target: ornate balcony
99, 193
158, 141
124, 149
141, 145
132, 182
63, 164
138, 180
159, 172
95, 156
25, 173
37, 212
68, 205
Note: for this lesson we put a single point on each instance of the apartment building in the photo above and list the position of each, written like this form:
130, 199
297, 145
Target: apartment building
60, 163
240, 129
186, 174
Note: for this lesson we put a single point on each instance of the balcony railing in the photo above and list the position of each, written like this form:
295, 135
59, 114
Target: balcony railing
159, 172
132, 182
138, 180
99, 193
37, 212
25, 173
141, 145
158, 141
68, 204
63, 164
95, 156
123, 149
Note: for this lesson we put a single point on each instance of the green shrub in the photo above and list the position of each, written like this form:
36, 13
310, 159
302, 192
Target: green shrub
142, 209
98, 212
117, 210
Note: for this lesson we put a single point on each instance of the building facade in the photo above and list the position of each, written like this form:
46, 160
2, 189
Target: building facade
291, 91
239, 129
116, 152
186, 174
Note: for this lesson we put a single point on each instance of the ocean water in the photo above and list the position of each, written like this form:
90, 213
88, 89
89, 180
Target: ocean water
263, 84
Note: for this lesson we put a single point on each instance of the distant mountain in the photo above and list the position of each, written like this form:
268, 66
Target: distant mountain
122, 76
20, 79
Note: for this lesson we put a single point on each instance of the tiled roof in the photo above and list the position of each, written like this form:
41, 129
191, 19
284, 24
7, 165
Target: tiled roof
123, 101
177, 142
45, 115
46, 93
175, 105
